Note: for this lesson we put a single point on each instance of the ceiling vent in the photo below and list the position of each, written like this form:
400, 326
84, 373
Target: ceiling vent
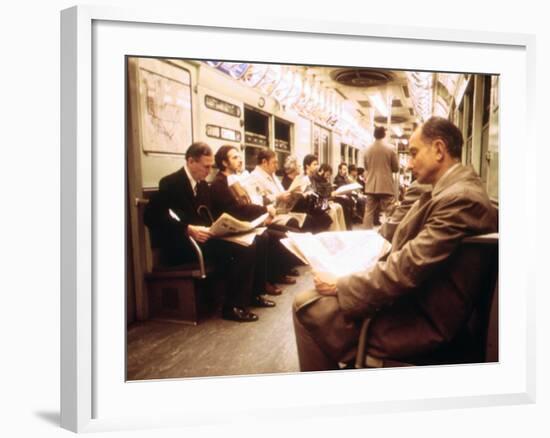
361, 77
396, 103
394, 119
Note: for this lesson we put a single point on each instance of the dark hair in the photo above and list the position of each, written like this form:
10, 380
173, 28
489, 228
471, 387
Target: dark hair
379, 132
341, 165
221, 155
438, 127
351, 168
308, 159
360, 170
265, 154
325, 167
198, 150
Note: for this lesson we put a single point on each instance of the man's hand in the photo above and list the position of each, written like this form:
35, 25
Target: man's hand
327, 287
200, 234
284, 197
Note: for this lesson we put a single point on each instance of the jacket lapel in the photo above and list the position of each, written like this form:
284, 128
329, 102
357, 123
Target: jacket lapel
186, 189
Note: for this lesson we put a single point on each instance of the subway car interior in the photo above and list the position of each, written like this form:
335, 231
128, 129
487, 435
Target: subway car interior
175, 327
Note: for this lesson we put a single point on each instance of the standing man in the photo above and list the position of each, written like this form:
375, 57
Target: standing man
172, 216
380, 164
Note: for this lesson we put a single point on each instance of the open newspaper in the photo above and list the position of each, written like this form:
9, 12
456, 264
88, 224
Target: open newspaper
283, 219
336, 254
347, 188
298, 186
234, 230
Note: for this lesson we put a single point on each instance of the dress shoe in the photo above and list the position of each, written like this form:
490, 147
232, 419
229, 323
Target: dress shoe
271, 289
294, 272
238, 314
285, 279
260, 301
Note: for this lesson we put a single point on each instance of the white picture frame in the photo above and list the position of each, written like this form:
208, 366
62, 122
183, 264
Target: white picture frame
91, 360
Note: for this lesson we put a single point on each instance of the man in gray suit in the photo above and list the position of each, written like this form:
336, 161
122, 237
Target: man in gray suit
380, 164
419, 299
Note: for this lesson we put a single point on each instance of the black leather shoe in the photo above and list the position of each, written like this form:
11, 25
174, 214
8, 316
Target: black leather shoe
294, 273
286, 279
260, 301
271, 289
239, 314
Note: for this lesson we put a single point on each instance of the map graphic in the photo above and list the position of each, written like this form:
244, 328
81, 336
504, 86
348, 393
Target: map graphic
166, 115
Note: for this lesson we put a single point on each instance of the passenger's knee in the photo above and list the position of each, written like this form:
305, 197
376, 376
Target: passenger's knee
304, 298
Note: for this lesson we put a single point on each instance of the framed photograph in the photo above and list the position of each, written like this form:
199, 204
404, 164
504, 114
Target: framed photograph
139, 87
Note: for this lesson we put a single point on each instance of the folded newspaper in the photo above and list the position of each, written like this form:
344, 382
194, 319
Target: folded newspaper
234, 230
336, 254
284, 219
299, 184
342, 190
227, 225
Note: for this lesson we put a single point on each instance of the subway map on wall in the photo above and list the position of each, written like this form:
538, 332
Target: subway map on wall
165, 99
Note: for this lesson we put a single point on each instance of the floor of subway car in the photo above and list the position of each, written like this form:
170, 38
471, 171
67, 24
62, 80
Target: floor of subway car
216, 347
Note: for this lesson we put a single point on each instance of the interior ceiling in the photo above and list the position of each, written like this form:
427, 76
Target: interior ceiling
357, 84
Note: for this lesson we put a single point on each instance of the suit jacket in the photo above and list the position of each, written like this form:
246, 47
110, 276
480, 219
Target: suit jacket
412, 194
423, 294
223, 200
380, 163
175, 193
321, 186
340, 180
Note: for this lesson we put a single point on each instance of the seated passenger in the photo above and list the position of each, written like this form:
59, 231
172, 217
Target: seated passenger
353, 203
361, 178
263, 182
225, 200
322, 186
172, 215
319, 191
419, 299
291, 169
342, 177
353, 173
412, 193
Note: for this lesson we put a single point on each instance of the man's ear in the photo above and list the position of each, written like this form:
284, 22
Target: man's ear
440, 149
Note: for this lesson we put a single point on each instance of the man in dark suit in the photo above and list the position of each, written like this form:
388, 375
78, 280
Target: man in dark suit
173, 214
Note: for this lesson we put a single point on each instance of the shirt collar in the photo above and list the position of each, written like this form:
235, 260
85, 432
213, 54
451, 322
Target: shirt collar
272, 178
262, 171
191, 179
443, 180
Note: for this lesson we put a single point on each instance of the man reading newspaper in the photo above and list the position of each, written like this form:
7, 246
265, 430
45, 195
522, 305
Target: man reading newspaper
172, 216
413, 305
228, 199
